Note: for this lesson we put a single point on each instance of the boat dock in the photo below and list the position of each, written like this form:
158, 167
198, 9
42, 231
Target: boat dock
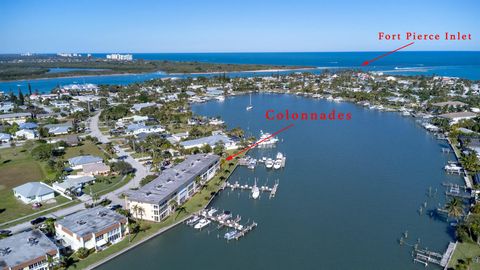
224, 220
236, 185
424, 256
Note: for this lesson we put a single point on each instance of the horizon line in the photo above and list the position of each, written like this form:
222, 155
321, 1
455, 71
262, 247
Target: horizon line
231, 52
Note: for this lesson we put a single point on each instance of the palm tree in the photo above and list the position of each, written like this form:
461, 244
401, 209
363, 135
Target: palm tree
454, 208
141, 211
135, 211
173, 204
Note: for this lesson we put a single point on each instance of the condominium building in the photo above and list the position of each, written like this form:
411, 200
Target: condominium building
28, 250
152, 201
91, 228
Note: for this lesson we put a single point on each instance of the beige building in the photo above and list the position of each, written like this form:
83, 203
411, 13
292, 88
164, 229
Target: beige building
152, 201
91, 228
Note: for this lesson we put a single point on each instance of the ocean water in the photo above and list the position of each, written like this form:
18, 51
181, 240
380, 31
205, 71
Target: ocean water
348, 192
457, 64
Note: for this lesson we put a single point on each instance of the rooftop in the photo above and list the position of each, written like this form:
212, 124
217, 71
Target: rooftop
80, 160
32, 189
173, 179
91, 220
23, 247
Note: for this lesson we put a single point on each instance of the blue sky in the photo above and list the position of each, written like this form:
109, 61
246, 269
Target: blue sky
42, 26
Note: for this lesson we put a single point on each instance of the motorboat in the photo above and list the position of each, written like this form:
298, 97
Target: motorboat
269, 163
277, 164
266, 139
202, 223
255, 190
211, 212
230, 235
193, 220
220, 98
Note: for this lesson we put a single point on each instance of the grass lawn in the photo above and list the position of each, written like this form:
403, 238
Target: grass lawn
106, 184
16, 168
194, 204
466, 250
88, 148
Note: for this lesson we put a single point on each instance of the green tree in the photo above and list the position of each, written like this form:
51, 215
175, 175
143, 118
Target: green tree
454, 208
122, 167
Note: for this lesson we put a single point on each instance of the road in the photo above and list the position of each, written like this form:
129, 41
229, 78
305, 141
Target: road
140, 172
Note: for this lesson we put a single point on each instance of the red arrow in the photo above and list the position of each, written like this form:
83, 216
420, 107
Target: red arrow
255, 144
366, 63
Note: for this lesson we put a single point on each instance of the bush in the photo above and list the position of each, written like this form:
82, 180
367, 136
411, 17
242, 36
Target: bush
82, 253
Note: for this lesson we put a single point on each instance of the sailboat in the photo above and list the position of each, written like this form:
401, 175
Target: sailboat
255, 190
250, 106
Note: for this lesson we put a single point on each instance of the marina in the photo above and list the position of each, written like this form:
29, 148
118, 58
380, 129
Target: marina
315, 186
223, 220
236, 185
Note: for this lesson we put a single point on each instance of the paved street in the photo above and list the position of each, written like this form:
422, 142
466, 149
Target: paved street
141, 172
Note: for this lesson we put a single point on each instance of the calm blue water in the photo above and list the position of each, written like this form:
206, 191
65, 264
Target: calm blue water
458, 64
347, 193
59, 70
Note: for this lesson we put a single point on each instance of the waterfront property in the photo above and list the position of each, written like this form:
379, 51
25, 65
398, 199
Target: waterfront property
212, 140
153, 201
91, 228
33, 192
28, 250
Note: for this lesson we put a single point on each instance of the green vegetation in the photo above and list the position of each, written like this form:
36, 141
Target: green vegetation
17, 167
35, 69
464, 255
196, 203
87, 148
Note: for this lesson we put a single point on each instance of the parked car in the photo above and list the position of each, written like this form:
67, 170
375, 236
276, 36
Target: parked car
38, 220
5, 232
114, 207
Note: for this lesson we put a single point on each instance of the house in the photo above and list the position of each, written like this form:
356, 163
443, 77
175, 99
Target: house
5, 138
458, 116
96, 228
73, 183
27, 134
33, 192
60, 104
175, 184
95, 169
76, 163
28, 250
212, 140
134, 129
71, 140
453, 104
28, 125
139, 106
15, 117
59, 129
6, 107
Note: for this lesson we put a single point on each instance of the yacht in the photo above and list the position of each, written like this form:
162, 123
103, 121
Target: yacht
220, 98
250, 106
269, 163
266, 140
277, 164
202, 223
255, 190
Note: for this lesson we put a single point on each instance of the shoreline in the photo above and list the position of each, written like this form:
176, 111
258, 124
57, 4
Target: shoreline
160, 72
160, 231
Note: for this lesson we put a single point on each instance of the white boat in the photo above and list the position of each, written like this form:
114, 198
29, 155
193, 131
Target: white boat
220, 98
277, 164
279, 155
255, 190
266, 140
250, 106
230, 235
202, 223
269, 163
193, 220
211, 212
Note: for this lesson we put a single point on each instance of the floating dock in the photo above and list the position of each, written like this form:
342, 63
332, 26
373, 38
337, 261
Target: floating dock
425, 257
228, 221
236, 185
